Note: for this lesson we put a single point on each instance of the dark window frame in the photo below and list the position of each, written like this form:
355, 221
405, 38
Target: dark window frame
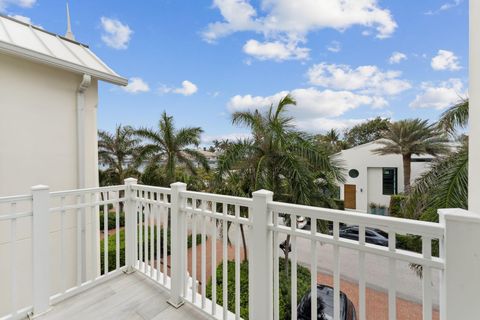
390, 186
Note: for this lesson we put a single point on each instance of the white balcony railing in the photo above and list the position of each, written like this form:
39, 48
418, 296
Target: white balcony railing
50, 250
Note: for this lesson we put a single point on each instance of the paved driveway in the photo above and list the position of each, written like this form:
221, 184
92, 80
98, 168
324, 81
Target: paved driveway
409, 285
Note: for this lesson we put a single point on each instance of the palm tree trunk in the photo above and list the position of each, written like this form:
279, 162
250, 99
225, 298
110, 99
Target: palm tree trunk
407, 159
286, 251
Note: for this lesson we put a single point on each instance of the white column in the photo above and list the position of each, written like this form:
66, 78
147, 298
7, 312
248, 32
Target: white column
474, 114
130, 224
41, 249
460, 282
260, 262
178, 238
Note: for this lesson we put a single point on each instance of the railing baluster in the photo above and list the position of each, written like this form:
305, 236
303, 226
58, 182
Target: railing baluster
276, 289
361, 274
313, 269
214, 260
117, 232
392, 266
165, 243
427, 279
95, 237
140, 233
225, 262
145, 233
152, 234
159, 237
79, 243
336, 273
293, 272
13, 258
237, 263
105, 238
63, 274
194, 253
204, 256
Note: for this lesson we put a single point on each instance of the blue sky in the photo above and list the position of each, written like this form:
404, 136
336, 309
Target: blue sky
202, 60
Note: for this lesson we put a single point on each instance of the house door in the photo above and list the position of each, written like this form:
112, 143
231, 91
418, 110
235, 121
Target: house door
350, 196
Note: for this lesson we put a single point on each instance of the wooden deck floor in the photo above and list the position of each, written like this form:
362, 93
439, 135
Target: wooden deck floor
122, 297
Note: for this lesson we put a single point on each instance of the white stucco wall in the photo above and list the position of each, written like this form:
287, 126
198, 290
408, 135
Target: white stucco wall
38, 145
369, 165
474, 93
38, 127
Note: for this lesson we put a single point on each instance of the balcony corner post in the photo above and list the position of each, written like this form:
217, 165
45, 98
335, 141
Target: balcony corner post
130, 225
261, 258
459, 249
178, 244
41, 249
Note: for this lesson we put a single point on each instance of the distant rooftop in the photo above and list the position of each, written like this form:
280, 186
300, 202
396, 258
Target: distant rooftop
33, 43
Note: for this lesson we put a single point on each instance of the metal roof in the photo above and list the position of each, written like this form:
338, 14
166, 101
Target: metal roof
33, 43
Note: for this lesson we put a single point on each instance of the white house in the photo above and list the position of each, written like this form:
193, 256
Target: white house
48, 135
48, 109
373, 178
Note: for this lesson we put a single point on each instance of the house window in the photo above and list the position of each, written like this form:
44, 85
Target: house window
390, 178
353, 173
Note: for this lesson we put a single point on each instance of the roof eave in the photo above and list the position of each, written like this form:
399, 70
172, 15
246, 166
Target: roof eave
59, 63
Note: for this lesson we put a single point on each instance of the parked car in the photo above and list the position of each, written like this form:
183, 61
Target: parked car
325, 305
372, 235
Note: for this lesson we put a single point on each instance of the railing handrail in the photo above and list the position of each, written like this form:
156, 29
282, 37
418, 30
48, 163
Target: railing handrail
398, 225
215, 197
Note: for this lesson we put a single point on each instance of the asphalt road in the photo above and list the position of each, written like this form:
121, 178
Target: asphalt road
409, 285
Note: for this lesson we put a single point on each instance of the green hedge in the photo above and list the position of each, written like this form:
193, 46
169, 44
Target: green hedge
112, 220
112, 247
340, 204
396, 203
303, 285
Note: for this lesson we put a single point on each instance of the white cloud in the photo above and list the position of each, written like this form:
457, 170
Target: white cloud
115, 34
25, 19
365, 79
445, 6
187, 89
311, 102
325, 124
290, 21
334, 46
275, 50
397, 57
207, 139
136, 85
445, 60
440, 96
20, 3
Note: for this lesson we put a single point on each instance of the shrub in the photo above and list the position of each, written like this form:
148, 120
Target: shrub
112, 247
303, 285
112, 220
340, 204
396, 205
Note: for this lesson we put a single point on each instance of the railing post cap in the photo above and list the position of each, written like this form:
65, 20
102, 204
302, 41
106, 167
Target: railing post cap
458, 215
130, 181
179, 185
40, 187
263, 193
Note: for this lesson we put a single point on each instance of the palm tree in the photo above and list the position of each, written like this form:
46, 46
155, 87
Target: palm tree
121, 152
455, 117
169, 145
278, 157
412, 137
445, 185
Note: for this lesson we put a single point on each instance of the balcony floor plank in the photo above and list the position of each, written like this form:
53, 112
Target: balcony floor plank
122, 297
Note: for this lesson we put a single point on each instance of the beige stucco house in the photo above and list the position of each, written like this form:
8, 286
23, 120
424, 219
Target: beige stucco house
48, 109
48, 136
